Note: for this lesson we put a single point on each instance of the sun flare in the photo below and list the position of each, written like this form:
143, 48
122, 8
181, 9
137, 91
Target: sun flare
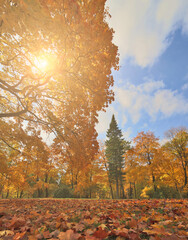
42, 64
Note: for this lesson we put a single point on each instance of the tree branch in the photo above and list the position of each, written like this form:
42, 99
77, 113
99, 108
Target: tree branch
13, 114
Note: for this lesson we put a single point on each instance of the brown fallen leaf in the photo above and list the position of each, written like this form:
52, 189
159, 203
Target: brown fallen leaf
2, 212
20, 236
172, 237
79, 227
89, 232
46, 234
54, 233
16, 223
69, 235
157, 232
134, 236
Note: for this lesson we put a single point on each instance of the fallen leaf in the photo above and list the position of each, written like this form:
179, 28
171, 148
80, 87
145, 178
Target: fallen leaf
101, 234
69, 235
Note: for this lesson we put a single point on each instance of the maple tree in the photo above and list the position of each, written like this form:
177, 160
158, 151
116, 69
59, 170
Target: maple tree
170, 171
146, 147
136, 173
177, 145
56, 62
61, 29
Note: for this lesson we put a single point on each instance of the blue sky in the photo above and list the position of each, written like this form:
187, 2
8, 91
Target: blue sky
151, 87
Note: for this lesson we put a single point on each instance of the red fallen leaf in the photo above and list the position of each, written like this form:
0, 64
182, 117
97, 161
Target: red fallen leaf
134, 236
133, 223
16, 223
112, 216
101, 234
122, 233
69, 235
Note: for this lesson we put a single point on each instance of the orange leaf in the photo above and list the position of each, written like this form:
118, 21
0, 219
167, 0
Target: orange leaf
101, 234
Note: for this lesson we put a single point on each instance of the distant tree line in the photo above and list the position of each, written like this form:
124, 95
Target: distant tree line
120, 169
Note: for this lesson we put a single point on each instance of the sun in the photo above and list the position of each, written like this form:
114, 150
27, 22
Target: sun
45, 62
42, 63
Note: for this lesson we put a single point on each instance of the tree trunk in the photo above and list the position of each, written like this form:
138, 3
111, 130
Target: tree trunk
46, 189
154, 181
185, 176
135, 195
130, 191
178, 190
111, 189
17, 195
117, 187
90, 189
46, 192
21, 194
7, 193
72, 180
110, 183
122, 188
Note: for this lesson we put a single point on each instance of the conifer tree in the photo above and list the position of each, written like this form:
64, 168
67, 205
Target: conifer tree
115, 149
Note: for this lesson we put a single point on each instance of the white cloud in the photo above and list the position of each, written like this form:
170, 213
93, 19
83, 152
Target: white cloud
127, 134
185, 86
105, 119
163, 141
152, 98
142, 27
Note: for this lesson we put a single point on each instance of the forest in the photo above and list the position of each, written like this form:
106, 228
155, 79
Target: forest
56, 88
144, 169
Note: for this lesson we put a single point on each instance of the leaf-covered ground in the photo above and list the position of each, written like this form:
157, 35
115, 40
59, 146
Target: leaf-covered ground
93, 219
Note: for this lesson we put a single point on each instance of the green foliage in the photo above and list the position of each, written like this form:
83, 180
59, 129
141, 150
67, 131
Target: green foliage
63, 192
115, 149
163, 192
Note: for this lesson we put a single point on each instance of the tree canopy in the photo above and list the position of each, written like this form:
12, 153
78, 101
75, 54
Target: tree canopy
55, 67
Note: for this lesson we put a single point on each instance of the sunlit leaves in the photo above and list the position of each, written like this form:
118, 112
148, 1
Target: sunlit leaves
94, 219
